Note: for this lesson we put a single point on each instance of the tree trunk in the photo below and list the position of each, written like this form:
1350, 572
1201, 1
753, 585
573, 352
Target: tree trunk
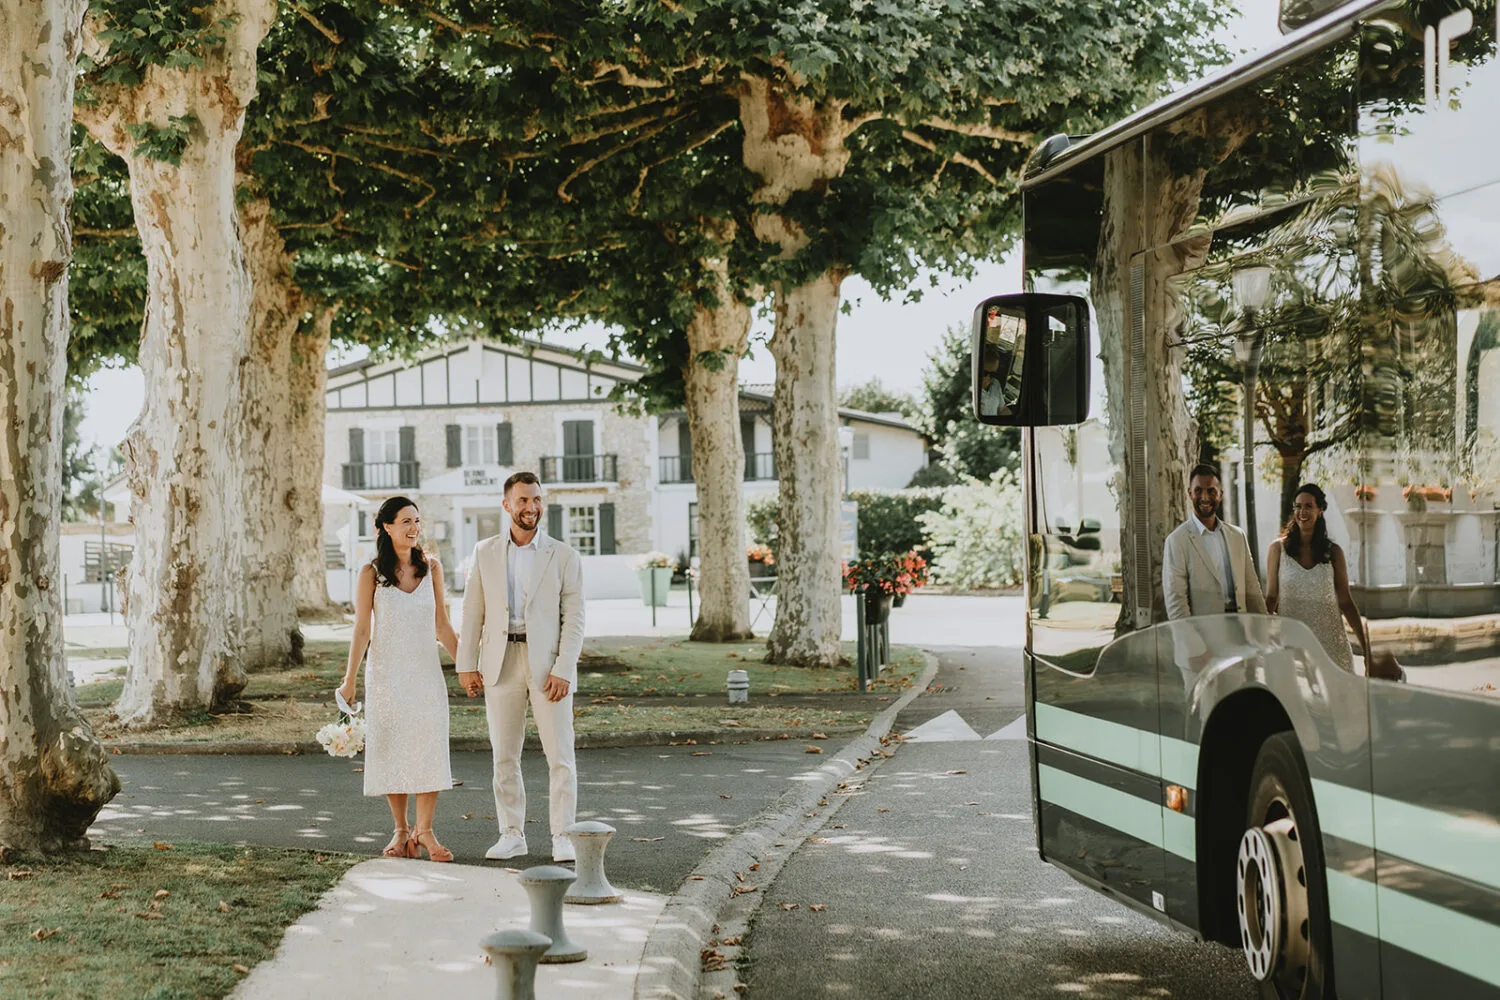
795, 146
717, 336
269, 636
186, 607
54, 776
1291, 478
805, 434
309, 410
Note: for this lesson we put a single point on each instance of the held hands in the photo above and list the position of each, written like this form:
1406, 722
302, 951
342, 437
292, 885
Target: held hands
472, 684
556, 689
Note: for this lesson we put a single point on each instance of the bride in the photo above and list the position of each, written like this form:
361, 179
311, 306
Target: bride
406, 717
1307, 579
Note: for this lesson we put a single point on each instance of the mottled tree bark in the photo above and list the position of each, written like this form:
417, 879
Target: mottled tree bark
309, 384
717, 337
793, 146
185, 460
54, 776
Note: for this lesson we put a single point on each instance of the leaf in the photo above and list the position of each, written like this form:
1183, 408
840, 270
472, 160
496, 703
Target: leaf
12, 876
42, 933
161, 894
741, 890
647, 840
818, 736
223, 907
817, 907
787, 906
959, 771
149, 915
467, 816
161, 845
813, 749
701, 753
242, 970
724, 796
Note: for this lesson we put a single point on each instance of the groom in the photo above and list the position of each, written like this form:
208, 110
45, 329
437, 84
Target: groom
521, 635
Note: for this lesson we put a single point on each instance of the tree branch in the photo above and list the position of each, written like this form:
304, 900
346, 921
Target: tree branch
958, 158
334, 155
979, 131
703, 137
106, 233
323, 29
592, 162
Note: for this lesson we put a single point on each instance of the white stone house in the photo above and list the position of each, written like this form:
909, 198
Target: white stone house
447, 429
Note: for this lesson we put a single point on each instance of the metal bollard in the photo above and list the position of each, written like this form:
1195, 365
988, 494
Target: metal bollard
546, 885
738, 684
590, 840
514, 955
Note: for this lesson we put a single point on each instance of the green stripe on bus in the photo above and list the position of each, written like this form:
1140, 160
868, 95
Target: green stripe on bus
1351, 902
1445, 842
1159, 756
1454, 939
1122, 811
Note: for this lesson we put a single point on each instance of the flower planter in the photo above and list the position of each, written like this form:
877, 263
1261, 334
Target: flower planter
760, 570
877, 607
898, 601
662, 575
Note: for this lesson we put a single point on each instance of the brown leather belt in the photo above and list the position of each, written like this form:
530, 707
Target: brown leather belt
515, 637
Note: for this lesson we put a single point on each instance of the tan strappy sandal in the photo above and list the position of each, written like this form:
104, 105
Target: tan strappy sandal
400, 845
435, 851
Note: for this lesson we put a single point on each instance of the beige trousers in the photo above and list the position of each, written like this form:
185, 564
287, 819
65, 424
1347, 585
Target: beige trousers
505, 709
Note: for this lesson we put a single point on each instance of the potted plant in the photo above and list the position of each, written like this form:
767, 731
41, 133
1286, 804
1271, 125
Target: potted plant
760, 560
1365, 493
877, 578
654, 571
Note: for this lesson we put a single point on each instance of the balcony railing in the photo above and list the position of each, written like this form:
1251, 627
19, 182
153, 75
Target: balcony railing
677, 468
578, 469
382, 475
760, 465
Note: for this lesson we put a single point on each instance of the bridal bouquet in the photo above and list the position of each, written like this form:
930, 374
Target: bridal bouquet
344, 738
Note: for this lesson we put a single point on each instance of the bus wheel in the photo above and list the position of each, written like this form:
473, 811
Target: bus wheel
1280, 889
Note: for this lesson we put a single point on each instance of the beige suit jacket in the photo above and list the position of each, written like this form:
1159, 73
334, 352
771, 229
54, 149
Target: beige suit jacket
554, 611
1192, 574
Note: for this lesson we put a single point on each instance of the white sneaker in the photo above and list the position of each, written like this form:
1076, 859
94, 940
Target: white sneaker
562, 849
511, 844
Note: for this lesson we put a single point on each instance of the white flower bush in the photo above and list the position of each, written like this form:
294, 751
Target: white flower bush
655, 560
343, 739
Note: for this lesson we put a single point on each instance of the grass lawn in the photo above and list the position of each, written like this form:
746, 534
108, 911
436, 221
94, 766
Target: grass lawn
288, 706
139, 921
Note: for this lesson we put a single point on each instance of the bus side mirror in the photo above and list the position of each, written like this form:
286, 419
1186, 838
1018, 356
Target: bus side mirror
1031, 360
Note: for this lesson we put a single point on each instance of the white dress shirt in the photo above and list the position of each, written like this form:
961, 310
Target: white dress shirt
1217, 544
518, 562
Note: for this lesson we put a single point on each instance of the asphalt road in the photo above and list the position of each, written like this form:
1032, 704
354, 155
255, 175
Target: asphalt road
933, 888
679, 804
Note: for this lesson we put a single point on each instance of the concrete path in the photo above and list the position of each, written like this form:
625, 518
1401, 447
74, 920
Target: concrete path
409, 929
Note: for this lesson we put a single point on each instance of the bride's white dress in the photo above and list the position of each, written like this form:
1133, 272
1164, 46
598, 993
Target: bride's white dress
1308, 596
406, 698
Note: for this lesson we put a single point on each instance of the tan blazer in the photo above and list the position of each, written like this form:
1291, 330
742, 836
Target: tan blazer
554, 611
1192, 573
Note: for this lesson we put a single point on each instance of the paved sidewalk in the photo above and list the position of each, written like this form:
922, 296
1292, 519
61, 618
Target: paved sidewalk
411, 929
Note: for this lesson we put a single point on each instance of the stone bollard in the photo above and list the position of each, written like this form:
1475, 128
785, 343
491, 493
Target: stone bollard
546, 885
590, 839
738, 684
514, 955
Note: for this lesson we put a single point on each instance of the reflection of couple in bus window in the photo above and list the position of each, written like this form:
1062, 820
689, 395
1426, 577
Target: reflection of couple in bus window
1000, 362
1206, 567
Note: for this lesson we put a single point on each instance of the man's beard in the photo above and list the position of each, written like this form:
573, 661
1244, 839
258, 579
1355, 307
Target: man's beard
1206, 509
528, 521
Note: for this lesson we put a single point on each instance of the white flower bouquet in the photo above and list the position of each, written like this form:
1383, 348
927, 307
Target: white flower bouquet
345, 738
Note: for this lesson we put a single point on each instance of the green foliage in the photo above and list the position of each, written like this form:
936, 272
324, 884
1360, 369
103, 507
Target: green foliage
889, 519
173, 34
80, 466
761, 515
932, 475
162, 142
874, 397
977, 538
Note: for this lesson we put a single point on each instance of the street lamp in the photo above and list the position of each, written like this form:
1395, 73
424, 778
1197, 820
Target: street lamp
1252, 288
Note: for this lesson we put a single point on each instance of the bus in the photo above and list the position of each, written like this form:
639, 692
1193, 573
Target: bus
1289, 273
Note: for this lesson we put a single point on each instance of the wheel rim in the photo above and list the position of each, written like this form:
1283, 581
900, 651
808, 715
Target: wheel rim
1271, 892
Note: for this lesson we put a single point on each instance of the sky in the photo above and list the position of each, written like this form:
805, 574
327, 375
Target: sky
888, 339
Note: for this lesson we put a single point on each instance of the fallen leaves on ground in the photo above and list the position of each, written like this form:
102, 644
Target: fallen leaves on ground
223, 907
701, 753
647, 840
813, 749
740, 890
161, 894
787, 906
959, 771
242, 970
724, 796
713, 960
818, 736
42, 933
683, 743
817, 907
160, 846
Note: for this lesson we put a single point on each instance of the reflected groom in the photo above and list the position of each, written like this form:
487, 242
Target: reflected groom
1206, 566
521, 636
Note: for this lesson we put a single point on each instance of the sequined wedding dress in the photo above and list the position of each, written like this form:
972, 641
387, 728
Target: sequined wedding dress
406, 698
1308, 596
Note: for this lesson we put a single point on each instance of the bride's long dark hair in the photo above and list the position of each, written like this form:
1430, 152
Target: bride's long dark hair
386, 563
1291, 535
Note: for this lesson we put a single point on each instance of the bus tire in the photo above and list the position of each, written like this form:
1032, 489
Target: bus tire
1281, 892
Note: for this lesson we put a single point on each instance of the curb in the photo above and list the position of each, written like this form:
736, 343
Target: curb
671, 964
592, 741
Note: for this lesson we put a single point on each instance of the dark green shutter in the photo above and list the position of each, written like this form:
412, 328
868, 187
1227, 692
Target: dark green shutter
504, 455
554, 522
747, 439
364, 524
606, 529
356, 446
455, 446
408, 444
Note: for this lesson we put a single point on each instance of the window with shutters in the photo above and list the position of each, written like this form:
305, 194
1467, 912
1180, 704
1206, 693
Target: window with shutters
581, 527
382, 444
480, 445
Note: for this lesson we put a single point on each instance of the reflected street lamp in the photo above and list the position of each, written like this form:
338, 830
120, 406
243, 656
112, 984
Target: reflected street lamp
1252, 288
